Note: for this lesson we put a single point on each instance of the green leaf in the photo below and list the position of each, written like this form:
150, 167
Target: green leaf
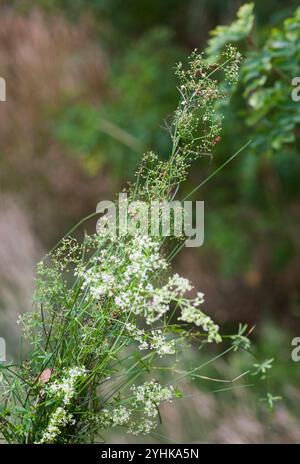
235, 32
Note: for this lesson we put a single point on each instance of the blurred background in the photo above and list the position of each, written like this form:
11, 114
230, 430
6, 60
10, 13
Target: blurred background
88, 87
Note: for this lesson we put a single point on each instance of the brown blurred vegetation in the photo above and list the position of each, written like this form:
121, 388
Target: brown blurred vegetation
48, 64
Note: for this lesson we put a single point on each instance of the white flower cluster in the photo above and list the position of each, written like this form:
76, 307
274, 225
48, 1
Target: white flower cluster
140, 259
160, 344
125, 278
143, 261
154, 340
152, 394
193, 315
179, 284
199, 300
116, 417
159, 299
59, 419
142, 415
65, 389
97, 280
148, 397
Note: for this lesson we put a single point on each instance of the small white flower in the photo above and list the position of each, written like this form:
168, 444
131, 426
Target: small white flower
65, 389
59, 419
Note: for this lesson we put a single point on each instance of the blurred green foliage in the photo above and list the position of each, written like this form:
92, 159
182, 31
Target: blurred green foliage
266, 79
141, 94
264, 181
235, 32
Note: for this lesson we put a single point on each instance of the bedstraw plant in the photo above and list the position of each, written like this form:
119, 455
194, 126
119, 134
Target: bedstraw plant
109, 317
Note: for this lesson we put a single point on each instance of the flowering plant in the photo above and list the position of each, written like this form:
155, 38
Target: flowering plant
107, 317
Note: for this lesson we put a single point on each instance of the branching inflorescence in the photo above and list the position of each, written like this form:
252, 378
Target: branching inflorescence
108, 318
